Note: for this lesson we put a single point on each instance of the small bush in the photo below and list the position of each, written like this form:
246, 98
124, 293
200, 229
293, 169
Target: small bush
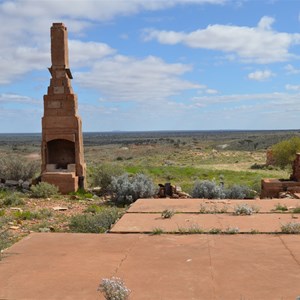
97, 223
16, 168
281, 207
215, 231
114, 289
208, 190
26, 215
193, 229
290, 228
5, 240
167, 214
157, 231
240, 192
245, 209
101, 176
296, 210
2, 212
128, 189
94, 208
44, 190
12, 199
232, 230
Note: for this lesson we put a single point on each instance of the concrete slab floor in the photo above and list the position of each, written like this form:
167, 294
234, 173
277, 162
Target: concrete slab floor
52, 266
147, 222
193, 205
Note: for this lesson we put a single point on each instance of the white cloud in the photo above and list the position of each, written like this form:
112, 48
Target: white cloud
121, 78
15, 98
291, 87
261, 75
211, 91
24, 33
258, 44
291, 69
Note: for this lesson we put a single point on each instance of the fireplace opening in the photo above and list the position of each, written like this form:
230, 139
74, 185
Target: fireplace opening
61, 153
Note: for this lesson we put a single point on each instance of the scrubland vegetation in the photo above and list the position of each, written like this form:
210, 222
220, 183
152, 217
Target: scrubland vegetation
127, 166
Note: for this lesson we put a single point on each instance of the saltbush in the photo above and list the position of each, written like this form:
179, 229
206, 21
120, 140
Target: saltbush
43, 190
245, 209
290, 228
208, 190
114, 289
127, 189
239, 192
95, 223
16, 168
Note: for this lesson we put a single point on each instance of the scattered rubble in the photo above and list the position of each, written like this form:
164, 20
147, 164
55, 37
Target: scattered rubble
168, 190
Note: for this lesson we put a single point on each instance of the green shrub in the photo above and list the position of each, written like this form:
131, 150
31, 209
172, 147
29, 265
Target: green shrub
296, 210
215, 231
95, 223
157, 231
2, 212
284, 152
5, 241
281, 207
94, 208
44, 190
16, 168
128, 189
208, 190
12, 199
26, 215
101, 176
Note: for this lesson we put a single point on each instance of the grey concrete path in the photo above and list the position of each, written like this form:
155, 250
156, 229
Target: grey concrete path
58, 266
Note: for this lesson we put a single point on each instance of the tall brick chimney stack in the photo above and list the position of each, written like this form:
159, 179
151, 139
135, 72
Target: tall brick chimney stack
62, 145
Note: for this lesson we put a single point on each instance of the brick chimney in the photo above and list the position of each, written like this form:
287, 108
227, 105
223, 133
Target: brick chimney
62, 145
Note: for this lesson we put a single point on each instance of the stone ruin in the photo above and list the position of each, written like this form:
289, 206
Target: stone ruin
272, 188
62, 145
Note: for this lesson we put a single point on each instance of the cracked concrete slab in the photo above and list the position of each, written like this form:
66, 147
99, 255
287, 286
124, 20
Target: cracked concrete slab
148, 222
52, 266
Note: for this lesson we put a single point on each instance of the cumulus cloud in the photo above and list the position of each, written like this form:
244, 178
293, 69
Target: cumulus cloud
15, 98
291, 87
258, 44
291, 70
261, 75
25, 36
148, 79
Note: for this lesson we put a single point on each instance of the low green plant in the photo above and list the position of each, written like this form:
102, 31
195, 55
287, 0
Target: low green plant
245, 209
12, 199
157, 231
167, 214
82, 194
26, 215
215, 231
94, 208
215, 209
290, 228
280, 207
44, 190
254, 231
114, 289
44, 213
296, 210
2, 212
95, 223
5, 240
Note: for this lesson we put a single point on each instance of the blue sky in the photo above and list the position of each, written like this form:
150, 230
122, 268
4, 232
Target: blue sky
156, 64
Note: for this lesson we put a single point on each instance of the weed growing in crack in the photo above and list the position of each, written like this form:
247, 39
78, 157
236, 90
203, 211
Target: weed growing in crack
114, 289
290, 228
245, 209
167, 214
